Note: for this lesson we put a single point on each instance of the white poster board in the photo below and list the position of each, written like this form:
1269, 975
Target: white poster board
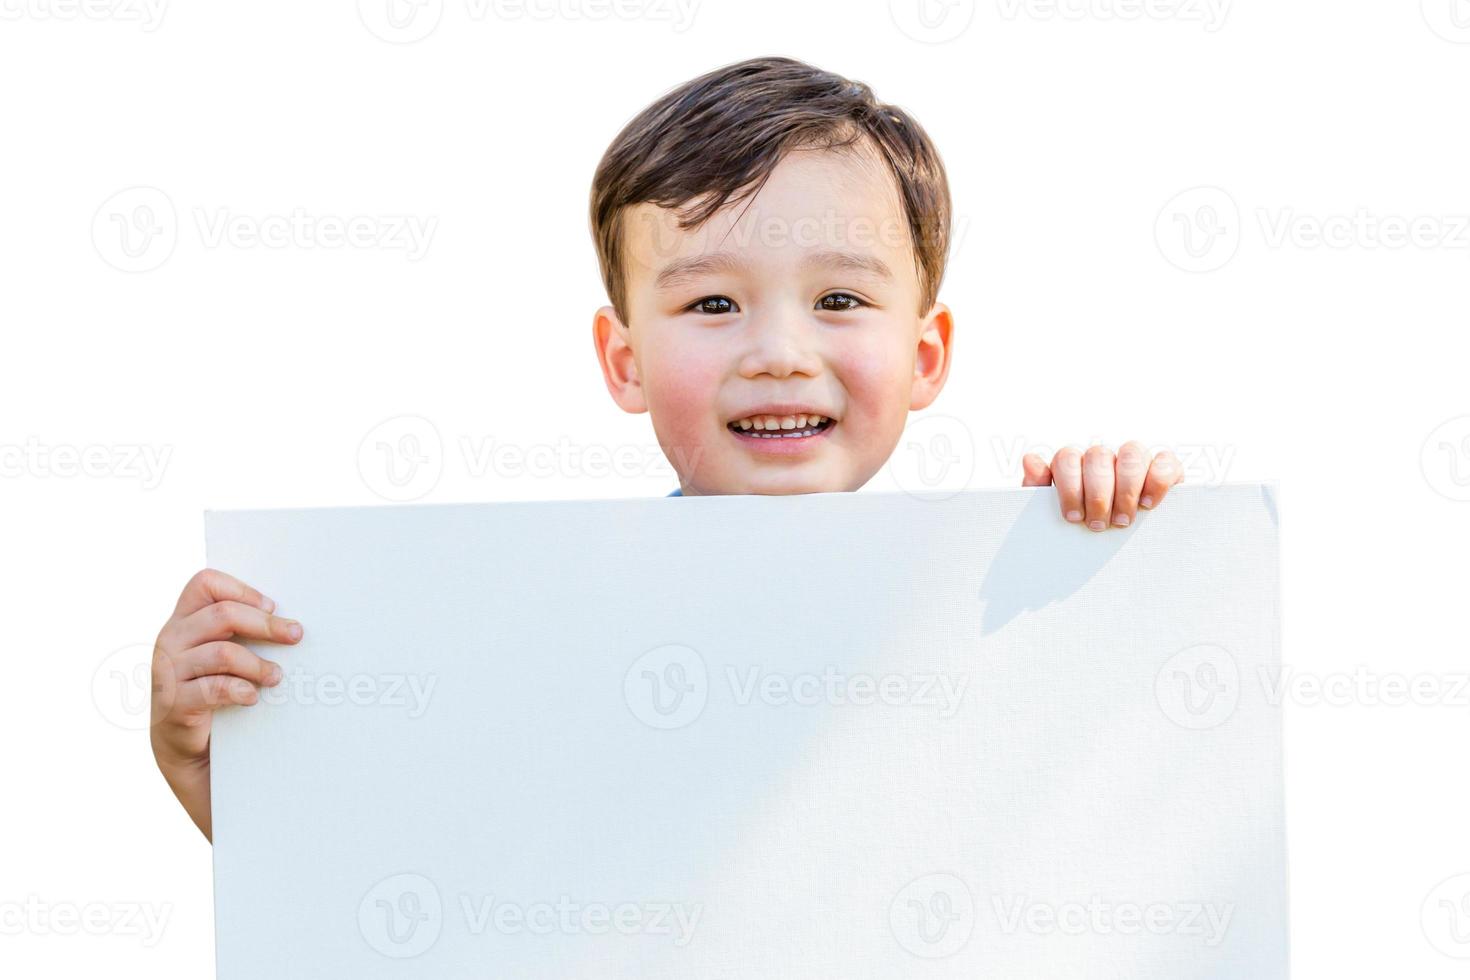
833, 735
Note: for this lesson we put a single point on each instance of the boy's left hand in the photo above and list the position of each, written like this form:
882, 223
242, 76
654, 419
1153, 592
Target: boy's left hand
1101, 489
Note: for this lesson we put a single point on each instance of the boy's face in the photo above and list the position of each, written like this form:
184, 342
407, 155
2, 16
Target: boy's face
801, 301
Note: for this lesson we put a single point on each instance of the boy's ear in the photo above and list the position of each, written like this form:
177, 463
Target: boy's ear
931, 360
615, 354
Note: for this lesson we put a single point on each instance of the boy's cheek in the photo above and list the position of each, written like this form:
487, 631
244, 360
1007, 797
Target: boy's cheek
682, 406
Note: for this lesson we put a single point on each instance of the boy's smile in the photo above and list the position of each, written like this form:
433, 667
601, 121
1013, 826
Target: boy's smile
782, 428
779, 347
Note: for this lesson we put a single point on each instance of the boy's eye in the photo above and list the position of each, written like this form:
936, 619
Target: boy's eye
839, 302
713, 304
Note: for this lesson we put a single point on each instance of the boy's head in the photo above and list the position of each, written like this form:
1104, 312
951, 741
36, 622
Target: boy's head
772, 239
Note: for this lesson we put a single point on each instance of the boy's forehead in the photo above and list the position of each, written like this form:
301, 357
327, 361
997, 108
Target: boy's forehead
830, 201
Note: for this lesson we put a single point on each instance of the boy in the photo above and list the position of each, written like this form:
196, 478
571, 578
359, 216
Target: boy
772, 240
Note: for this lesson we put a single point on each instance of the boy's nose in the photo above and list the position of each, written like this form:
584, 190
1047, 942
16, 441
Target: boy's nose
780, 345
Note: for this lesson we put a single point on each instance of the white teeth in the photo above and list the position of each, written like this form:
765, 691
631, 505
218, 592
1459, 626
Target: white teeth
779, 423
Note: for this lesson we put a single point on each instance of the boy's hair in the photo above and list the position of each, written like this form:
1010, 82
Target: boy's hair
722, 134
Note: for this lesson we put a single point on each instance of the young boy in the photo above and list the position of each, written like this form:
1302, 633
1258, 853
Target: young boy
772, 239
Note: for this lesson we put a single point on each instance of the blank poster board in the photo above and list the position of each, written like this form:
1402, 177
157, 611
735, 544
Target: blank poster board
861, 735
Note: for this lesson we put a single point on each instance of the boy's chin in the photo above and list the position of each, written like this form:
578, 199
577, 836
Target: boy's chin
790, 482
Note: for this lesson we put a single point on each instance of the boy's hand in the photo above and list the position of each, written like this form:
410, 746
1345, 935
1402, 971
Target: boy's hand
196, 669
1096, 487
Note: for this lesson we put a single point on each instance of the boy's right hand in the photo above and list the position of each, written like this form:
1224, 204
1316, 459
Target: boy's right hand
197, 668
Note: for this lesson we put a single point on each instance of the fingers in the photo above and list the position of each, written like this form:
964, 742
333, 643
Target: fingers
211, 585
221, 620
1097, 486
1129, 474
223, 657
1036, 472
204, 694
1066, 473
1163, 473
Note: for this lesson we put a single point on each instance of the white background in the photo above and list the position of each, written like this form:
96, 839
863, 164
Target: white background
1311, 329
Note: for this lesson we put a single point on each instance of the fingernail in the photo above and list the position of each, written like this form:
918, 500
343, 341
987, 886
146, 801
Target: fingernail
293, 630
1121, 520
1145, 501
274, 676
1074, 515
1096, 525
267, 603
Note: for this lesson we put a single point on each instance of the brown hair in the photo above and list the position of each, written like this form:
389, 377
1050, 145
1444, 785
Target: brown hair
720, 135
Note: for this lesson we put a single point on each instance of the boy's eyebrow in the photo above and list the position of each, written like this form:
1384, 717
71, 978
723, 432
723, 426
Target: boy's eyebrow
849, 262
681, 271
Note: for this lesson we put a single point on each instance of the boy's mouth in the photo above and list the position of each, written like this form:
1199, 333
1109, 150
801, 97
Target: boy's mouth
797, 426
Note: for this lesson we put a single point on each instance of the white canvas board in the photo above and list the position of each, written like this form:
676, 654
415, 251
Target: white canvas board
833, 735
